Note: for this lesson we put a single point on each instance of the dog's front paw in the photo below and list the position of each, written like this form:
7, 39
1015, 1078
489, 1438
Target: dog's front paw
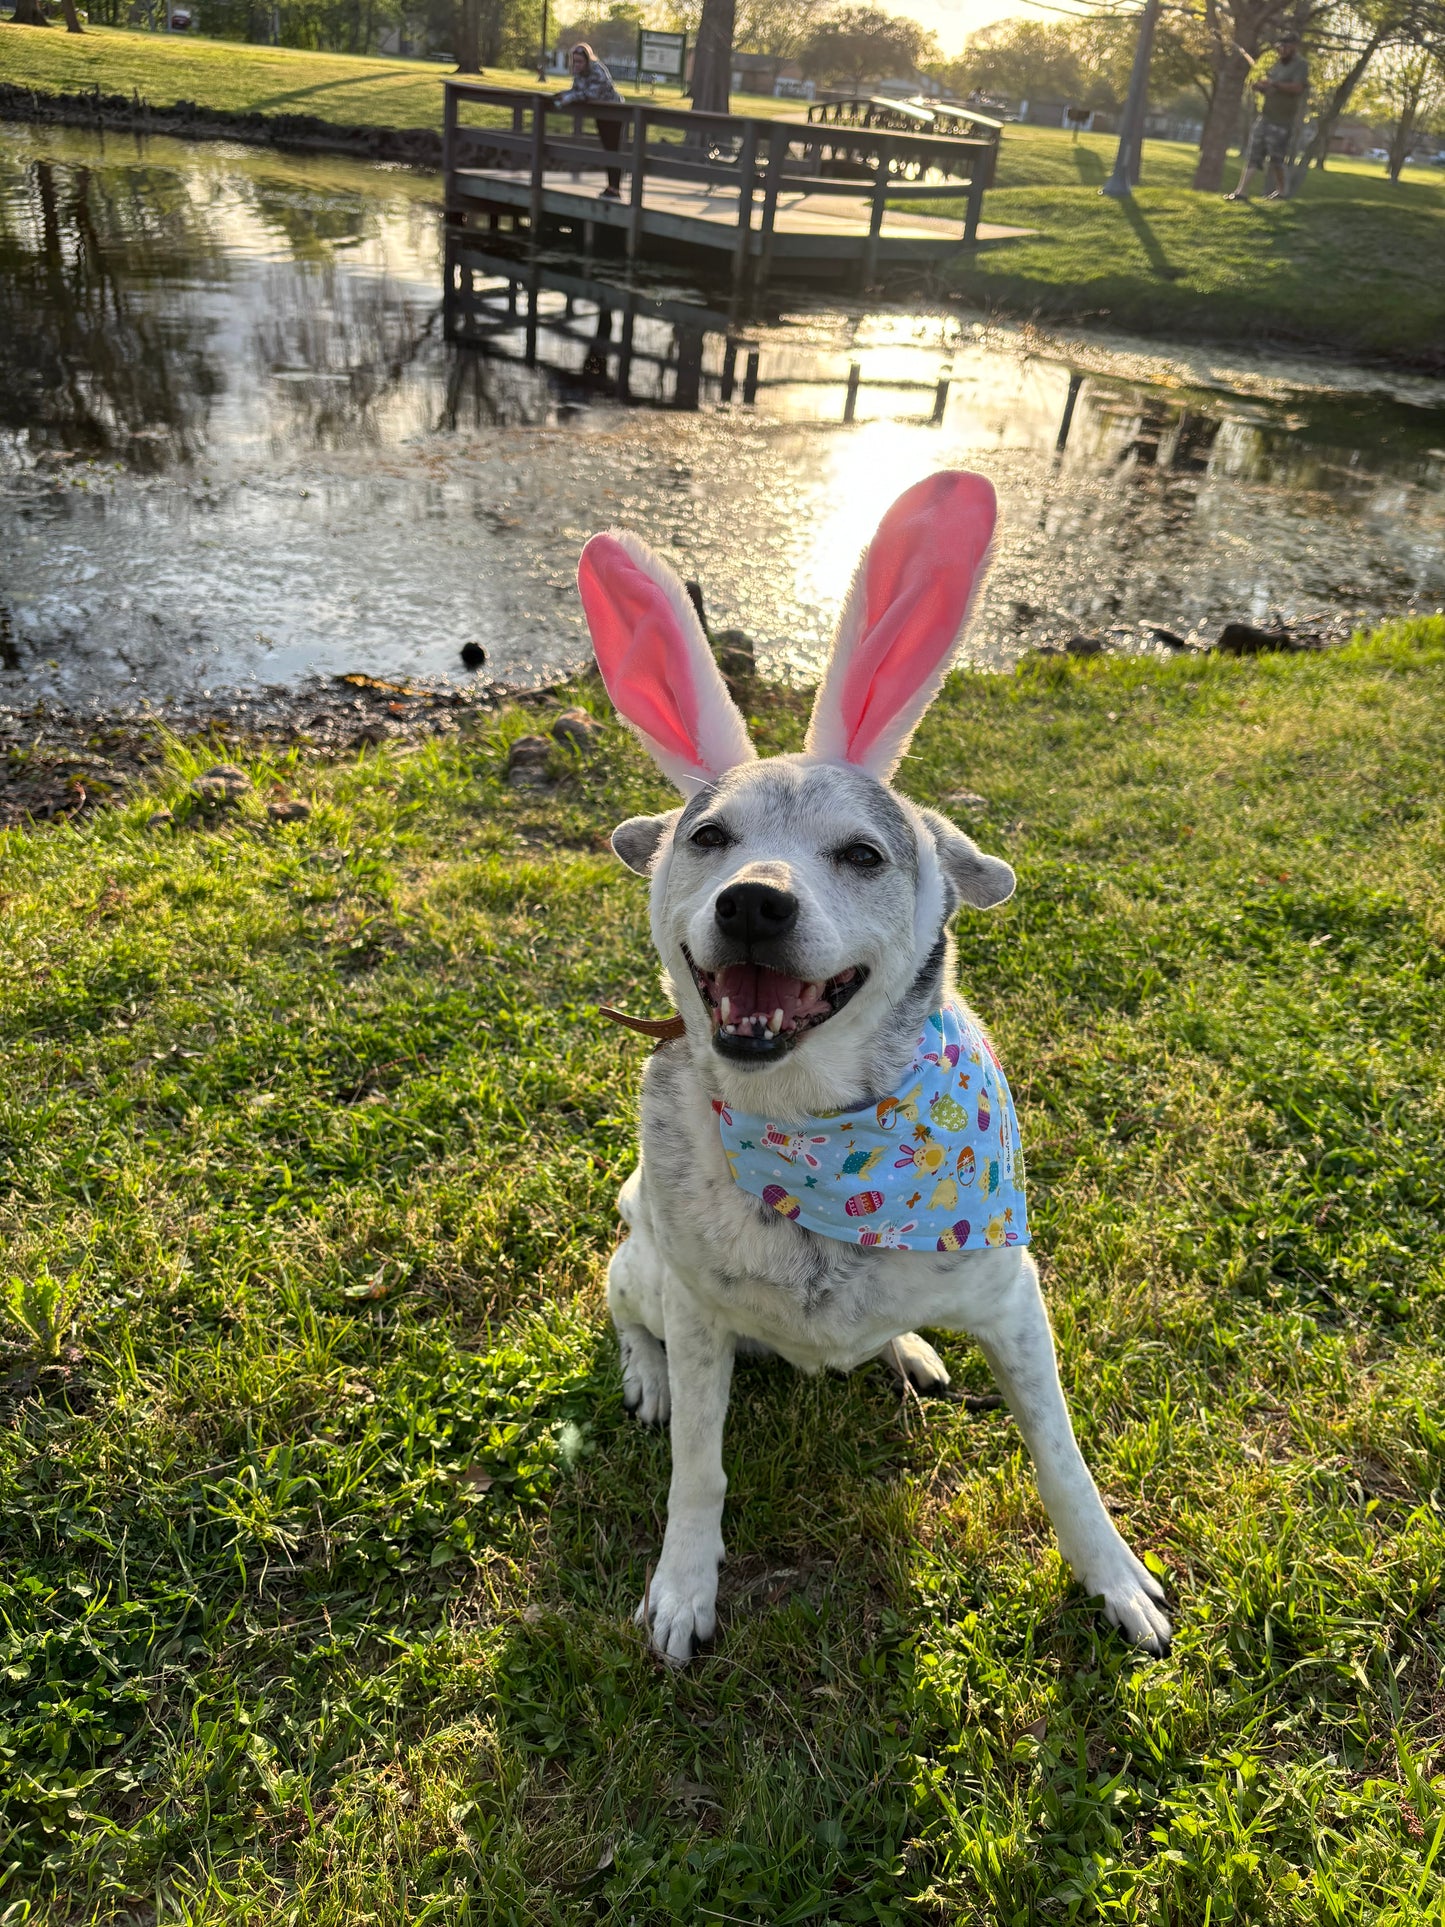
680, 1606
1133, 1598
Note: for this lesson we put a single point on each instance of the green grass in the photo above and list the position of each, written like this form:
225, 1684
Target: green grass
1351, 265
350, 89
321, 1538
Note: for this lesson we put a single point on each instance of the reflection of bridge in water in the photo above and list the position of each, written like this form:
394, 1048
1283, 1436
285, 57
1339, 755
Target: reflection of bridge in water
604, 339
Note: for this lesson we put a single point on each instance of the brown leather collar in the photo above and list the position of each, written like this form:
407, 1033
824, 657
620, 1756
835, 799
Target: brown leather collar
664, 1029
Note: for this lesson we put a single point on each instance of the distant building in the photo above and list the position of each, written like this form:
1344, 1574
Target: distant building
770, 74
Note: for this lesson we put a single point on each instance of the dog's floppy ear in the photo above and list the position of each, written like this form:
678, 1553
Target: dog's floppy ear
656, 662
637, 841
980, 880
902, 620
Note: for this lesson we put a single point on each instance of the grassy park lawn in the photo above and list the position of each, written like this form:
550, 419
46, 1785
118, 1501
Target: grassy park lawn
350, 89
322, 1533
1352, 264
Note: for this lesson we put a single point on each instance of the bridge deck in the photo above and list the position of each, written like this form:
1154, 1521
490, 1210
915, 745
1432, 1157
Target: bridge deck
820, 226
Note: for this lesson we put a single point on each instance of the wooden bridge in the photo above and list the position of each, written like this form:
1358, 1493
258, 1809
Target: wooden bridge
762, 196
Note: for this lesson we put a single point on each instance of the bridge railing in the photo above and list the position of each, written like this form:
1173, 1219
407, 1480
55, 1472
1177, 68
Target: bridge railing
758, 158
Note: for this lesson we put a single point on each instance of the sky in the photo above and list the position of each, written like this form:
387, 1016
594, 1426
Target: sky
952, 21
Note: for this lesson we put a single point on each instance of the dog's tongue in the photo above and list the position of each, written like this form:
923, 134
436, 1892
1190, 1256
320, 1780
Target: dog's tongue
752, 990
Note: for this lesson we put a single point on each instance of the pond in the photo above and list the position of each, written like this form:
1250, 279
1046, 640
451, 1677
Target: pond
237, 446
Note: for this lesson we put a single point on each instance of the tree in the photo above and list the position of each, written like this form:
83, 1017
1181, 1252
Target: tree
1239, 32
777, 27
1085, 61
860, 43
1407, 88
712, 63
610, 32
1348, 40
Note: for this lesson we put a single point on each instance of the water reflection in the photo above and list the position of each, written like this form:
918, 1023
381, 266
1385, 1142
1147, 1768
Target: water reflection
242, 435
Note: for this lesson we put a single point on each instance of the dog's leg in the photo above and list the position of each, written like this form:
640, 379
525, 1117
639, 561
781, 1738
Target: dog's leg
1013, 1332
680, 1604
912, 1360
635, 1280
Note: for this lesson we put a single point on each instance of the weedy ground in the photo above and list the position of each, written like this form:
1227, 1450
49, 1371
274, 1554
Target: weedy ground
322, 1520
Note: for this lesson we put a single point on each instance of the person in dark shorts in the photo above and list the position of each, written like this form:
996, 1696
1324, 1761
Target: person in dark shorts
592, 86
1281, 92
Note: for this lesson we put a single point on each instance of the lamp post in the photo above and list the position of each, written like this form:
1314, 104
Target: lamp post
1125, 177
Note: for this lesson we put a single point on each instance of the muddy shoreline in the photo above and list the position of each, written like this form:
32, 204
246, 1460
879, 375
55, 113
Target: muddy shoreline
58, 763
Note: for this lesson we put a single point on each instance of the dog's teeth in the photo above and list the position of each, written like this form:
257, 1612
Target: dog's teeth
776, 1022
725, 1008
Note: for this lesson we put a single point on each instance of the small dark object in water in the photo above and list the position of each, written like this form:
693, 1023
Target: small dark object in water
1246, 639
473, 655
1169, 638
694, 592
1084, 646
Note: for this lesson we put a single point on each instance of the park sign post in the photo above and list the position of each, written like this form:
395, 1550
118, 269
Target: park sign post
661, 56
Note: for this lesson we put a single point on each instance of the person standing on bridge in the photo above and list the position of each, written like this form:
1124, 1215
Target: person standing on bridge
592, 86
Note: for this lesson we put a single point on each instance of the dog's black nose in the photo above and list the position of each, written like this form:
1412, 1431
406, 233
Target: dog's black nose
752, 913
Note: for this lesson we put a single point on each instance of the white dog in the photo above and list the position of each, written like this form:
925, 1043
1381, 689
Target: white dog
801, 909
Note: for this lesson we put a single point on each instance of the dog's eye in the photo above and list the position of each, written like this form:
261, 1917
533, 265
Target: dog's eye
710, 836
860, 856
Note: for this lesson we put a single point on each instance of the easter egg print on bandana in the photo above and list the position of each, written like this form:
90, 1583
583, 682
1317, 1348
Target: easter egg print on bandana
936, 1165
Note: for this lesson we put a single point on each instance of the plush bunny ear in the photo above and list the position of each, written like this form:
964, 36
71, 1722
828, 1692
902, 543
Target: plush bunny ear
902, 620
656, 663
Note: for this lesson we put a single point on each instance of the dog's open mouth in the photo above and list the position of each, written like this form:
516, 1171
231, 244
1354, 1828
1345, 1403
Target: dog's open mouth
757, 1012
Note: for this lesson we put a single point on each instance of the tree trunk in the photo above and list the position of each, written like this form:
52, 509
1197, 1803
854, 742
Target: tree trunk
712, 67
489, 35
27, 14
466, 43
72, 18
1338, 101
1403, 136
1230, 73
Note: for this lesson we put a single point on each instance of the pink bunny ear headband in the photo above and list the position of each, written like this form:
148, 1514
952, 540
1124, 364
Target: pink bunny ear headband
899, 627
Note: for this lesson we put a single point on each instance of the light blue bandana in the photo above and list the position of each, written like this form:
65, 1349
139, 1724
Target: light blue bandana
935, 1166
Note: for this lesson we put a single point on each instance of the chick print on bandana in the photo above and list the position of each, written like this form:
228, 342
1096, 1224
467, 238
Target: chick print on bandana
936, 1165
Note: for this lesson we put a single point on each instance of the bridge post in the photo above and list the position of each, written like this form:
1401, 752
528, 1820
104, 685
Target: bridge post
539, 159
875, 218
639, 165
747, 167
977, 181
777, 154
